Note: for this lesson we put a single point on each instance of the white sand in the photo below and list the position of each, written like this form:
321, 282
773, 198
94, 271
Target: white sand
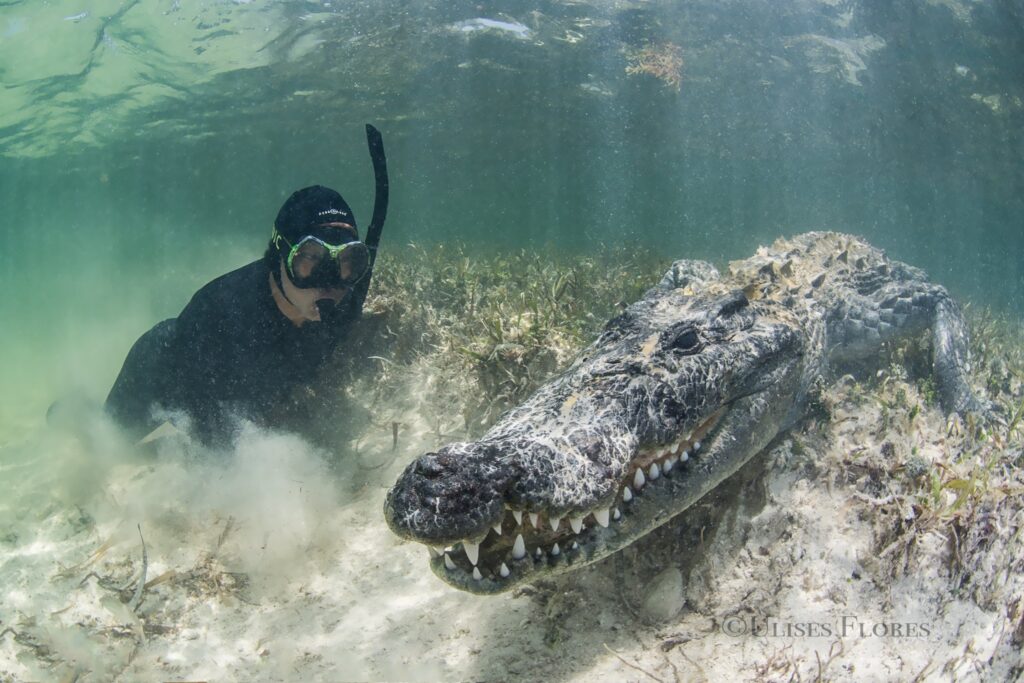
267, 564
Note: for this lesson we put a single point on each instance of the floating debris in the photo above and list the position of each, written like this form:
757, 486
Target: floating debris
514, 28
137, 598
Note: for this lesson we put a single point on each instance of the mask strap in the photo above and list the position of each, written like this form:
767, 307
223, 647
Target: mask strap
276, 237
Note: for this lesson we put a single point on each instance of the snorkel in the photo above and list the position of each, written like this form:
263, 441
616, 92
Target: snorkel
380, 210
329, 309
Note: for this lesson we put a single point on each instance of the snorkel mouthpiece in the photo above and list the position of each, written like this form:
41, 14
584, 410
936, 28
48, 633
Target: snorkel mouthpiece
326, 306
331, 311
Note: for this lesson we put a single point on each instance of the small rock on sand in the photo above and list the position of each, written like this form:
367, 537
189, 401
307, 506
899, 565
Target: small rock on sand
664, 596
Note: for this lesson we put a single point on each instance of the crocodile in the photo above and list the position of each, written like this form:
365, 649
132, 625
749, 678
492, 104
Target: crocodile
675, 395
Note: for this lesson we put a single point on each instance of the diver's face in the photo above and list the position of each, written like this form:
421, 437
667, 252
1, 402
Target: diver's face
305, 299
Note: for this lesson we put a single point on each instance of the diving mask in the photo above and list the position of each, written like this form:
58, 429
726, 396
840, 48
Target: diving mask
314, 262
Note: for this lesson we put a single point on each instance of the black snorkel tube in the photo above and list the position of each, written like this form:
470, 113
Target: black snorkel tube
380, 211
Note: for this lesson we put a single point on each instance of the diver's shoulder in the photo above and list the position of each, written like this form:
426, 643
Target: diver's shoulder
233, 288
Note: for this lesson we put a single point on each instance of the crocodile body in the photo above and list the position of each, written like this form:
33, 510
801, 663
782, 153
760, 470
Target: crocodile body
676, 394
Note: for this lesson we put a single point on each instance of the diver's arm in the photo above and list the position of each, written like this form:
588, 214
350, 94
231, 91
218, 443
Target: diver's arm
142, 382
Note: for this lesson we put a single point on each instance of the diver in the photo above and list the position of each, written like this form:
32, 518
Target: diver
249, 344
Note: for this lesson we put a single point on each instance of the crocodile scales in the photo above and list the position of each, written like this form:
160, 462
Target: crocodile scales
676, 394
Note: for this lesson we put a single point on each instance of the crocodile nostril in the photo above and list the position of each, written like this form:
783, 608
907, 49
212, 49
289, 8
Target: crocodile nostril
430, 466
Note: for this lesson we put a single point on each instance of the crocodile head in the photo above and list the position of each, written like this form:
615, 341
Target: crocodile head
668, 401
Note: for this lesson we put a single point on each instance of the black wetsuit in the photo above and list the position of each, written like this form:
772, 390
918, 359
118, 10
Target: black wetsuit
230, 353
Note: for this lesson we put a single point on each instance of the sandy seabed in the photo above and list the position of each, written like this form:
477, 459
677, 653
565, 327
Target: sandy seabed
852, 549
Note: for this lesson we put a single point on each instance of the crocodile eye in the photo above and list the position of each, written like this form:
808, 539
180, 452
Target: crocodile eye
686, 341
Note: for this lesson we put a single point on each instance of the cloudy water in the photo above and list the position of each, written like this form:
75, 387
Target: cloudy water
146, 146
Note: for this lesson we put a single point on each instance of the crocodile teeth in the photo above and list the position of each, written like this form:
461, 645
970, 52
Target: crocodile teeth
497, 528
519, 548
576, 523
555, 521
602, 517
684, 456
669, 464
627, 495
518, 516
448, 562
696, 446
503, 571
435, 552
555, 550
538, 553
638, 479
472, 551
616, 515
575, 546
476, 573
534, 519
654, 471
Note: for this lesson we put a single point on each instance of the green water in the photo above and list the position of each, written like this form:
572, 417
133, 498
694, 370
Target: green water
146, 146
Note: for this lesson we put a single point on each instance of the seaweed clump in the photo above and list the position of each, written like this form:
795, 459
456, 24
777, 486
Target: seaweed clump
457, 339
941, 492
664, 61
